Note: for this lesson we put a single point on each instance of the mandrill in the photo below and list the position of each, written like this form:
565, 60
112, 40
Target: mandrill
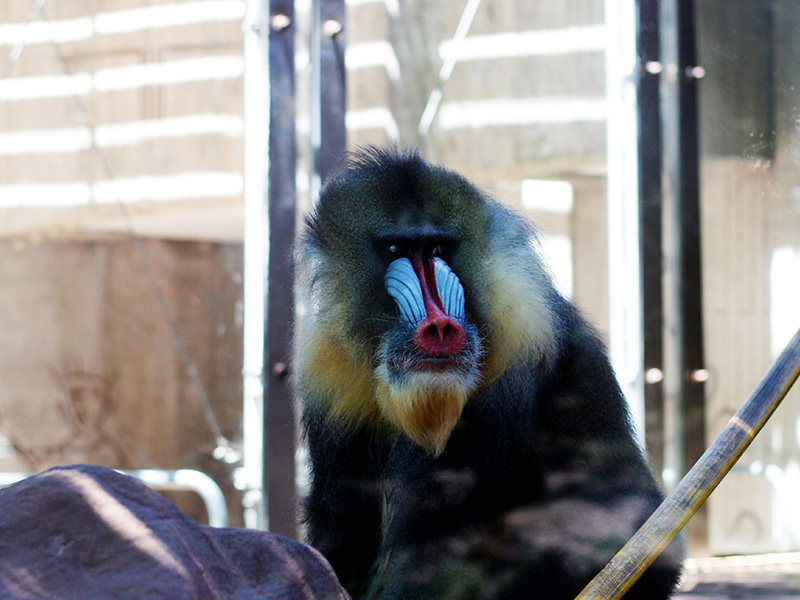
468, 439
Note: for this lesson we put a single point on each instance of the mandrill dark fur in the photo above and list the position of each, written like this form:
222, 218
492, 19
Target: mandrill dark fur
468, 439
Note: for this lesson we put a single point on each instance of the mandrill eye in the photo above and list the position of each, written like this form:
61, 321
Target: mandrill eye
390, 250
440, 250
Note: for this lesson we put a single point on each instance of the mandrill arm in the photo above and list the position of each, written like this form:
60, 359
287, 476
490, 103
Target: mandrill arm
344, 507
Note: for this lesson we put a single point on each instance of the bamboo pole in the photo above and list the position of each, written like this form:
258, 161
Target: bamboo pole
676, 510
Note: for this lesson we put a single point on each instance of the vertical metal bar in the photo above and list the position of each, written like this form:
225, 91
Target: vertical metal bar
691, 266
683, 325
279, 416
624, 265
328, 90
693, 414
650, 248
255, 169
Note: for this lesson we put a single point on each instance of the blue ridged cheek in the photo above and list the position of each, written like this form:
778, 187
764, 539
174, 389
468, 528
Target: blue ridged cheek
403, 286
451, 292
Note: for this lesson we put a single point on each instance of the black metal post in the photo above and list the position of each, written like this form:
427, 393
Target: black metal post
279, 415
683, 330
650, 165
328, 88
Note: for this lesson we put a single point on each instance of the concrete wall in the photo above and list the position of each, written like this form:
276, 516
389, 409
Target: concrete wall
122, 101
90, 367
121, 116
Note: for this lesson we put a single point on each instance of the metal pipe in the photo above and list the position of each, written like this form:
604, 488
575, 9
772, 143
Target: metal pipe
180, 479
449, 63
192, 480
249, 477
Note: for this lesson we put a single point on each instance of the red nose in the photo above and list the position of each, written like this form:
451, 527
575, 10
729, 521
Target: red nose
438, 334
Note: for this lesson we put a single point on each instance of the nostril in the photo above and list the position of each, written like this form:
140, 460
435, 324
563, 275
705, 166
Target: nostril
439, 336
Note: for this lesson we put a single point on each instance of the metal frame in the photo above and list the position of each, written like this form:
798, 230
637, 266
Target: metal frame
682, 278
669, 221
328, 87
650, 245
279, 415
328, 137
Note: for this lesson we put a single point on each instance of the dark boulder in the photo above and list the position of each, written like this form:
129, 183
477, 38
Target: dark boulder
86, 532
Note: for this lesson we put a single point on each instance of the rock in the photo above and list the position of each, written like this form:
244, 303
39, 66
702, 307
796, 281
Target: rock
86, 532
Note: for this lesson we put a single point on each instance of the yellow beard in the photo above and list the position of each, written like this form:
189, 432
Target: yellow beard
426, 406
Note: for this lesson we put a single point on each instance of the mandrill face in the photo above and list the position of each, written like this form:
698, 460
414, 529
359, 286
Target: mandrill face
391, 247
396, 267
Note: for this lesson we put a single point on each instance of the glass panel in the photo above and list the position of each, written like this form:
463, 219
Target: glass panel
750, 211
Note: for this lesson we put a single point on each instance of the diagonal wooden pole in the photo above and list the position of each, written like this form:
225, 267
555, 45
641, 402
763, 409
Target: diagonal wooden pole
676, 510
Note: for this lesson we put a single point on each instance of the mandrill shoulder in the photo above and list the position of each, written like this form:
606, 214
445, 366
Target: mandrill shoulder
566, 387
